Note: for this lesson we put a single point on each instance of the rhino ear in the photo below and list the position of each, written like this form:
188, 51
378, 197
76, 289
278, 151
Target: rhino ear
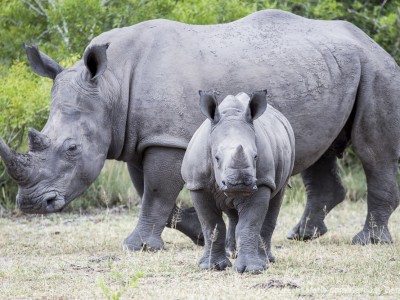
41, 64
209, 106
257, 104
95, 58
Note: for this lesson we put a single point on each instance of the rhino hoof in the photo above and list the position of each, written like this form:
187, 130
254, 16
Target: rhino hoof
311, 232
366, 236
137, 243
219, 263
250, 264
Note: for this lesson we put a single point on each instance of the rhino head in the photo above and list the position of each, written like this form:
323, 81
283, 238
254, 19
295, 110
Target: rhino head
67, 156
233, 140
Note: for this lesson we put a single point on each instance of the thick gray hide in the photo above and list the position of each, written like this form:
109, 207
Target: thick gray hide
256, 212
331, 81
275, 144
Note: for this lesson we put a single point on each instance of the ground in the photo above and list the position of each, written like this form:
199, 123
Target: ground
70, 256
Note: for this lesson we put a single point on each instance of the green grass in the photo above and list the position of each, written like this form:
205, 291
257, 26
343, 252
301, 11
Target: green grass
72, 256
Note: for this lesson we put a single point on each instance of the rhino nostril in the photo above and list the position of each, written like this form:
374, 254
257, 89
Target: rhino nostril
51, 201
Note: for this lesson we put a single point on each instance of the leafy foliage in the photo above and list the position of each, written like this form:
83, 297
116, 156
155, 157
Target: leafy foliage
62, 27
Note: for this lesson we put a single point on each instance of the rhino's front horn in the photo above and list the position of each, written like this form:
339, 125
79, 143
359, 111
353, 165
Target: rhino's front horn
37, 140
239, 155
17, 165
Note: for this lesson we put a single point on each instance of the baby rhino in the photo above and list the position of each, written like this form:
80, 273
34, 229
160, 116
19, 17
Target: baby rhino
239, 162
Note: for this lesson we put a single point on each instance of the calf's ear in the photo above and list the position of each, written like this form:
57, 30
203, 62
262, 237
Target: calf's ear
95, 59
257, 104
41, 64
209, 106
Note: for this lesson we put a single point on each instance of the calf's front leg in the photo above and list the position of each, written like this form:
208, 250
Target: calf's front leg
252, 212
214, 231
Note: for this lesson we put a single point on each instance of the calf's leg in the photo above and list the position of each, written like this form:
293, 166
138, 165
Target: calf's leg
252, 213
214, 231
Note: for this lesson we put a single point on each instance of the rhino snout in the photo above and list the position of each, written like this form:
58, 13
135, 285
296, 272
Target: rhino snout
243, 185
46, 203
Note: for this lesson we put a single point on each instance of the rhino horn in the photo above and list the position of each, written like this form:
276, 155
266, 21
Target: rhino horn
239, 155
37, 140
17, 165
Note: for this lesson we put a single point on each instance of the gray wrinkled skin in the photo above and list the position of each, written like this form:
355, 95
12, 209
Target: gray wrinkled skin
136, 101
239, 159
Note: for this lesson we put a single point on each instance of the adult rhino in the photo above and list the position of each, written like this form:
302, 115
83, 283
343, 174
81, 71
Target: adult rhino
133, 97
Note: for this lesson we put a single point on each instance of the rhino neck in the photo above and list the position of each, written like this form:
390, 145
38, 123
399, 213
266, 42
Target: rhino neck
119, 111
123, 141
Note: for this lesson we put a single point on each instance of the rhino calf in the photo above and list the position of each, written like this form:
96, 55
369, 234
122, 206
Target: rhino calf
239, 161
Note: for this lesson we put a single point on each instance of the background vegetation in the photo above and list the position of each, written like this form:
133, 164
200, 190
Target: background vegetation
63, 28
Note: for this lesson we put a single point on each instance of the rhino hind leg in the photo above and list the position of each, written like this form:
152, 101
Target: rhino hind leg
376, 140
162, 184
187, 221
324, 191
230, 243
383, 198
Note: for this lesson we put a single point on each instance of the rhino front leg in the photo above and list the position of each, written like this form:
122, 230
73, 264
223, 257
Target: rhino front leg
214, 231
324, 191
162, 184
268, 227
252, 213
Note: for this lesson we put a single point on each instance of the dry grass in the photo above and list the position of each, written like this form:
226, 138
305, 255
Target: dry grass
72, 256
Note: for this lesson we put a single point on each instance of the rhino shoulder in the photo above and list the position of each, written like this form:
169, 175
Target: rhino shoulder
196, 166
276, 146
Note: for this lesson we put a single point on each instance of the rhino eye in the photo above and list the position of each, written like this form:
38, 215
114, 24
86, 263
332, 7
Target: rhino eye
72, 148
217, 159
255, 157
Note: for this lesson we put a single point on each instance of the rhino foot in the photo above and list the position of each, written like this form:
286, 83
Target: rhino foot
375, 236
307, 232
137, 242
250, 263
219, 262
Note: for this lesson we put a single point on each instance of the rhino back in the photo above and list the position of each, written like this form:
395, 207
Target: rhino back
310, 68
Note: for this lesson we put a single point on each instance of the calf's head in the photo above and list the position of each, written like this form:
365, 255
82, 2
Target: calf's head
67, 156
233, 140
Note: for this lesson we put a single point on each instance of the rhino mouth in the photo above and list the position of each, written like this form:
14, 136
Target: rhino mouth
239, 189
46, 203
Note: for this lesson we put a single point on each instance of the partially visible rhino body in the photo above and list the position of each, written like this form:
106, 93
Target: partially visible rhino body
239, 161
137, 102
